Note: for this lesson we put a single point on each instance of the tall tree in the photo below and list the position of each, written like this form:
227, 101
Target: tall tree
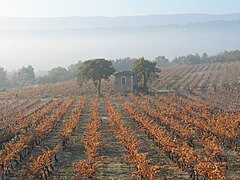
26, 75
145, 71
95, 70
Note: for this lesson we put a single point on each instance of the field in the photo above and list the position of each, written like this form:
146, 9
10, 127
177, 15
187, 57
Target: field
58, 131
205, 76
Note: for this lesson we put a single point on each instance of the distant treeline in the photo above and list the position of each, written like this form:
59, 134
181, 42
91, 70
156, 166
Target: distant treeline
26, 75
162, 61
225, 56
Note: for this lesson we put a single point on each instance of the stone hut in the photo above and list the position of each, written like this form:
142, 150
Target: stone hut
125, 82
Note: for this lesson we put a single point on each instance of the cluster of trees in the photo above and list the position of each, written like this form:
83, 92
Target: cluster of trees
226, 56
162, 61
100, 69
191, 59
26, 76
59, 74
124, 64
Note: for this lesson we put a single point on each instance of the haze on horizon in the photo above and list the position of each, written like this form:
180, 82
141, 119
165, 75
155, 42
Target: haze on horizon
49, 42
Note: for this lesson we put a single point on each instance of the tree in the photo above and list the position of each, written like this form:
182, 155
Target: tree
58, 74
43, 79
26, 75
145, 71
178, 61
123, 64
95, 70
3, 78
205, 58
162, 61
193, 59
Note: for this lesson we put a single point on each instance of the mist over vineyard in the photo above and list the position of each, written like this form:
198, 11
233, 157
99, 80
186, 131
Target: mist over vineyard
49, 42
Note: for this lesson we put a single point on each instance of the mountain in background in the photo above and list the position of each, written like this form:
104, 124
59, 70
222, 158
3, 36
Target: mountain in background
13, 23
51, 42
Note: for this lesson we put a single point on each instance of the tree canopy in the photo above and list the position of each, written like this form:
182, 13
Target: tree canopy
145, 71
95, 70
26, 75
190, 59
226, 56
123, 64
58, 74
162, 61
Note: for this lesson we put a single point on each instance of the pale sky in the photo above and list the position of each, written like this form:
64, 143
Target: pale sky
58, 8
